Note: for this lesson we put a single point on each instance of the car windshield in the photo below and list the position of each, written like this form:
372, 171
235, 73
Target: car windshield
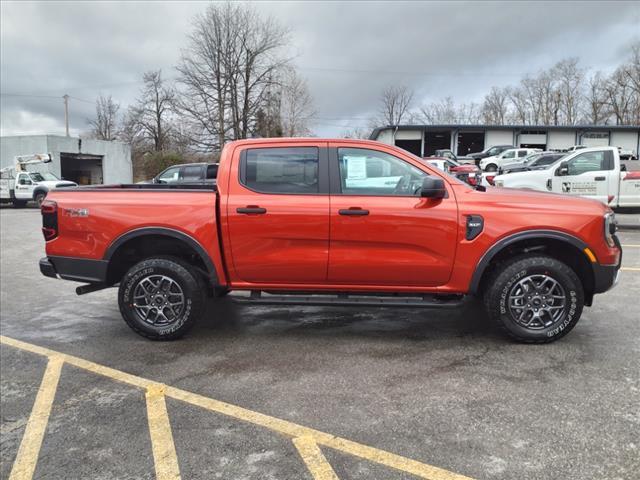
531, 159
545, 160
43, 176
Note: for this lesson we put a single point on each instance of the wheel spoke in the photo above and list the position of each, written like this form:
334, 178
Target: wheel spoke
155, 293
537, 301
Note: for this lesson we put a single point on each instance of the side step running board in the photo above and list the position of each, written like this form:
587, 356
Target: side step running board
344, 299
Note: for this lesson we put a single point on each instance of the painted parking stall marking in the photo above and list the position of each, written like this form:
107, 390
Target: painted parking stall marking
306, 440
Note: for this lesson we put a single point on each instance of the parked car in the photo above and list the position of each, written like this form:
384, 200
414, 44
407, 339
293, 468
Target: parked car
491, 164
468, 173
534, 161
187, 173
489, 152
332, 222
445, 153
593, 172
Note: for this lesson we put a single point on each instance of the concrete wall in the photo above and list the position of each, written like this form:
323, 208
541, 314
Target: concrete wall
116, 162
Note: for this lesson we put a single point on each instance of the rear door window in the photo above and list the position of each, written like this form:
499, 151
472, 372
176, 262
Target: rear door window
192, 173
281, 170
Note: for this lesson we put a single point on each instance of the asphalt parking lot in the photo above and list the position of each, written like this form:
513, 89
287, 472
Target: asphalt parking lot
294, 393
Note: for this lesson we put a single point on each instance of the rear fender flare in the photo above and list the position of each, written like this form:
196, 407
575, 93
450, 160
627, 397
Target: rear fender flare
167, 232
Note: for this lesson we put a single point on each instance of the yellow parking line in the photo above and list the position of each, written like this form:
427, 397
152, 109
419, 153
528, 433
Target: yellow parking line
285, 427
630, 269
314, 459
164, 451
630, 246
27, 456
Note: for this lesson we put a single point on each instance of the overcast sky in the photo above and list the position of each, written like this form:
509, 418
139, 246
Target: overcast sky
347, 51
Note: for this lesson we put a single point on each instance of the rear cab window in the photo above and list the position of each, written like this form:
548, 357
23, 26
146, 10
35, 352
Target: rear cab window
292, 170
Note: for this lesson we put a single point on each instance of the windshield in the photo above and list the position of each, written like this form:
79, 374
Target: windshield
42, 176
545, 160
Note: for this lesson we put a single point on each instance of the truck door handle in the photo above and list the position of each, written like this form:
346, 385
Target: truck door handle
252, 210
600, 179
353, 211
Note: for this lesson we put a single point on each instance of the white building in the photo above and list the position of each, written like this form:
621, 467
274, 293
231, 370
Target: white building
424, 140
83, 161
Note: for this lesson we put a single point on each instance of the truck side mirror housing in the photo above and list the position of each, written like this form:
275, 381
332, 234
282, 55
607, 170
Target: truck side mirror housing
433, 187
563, 169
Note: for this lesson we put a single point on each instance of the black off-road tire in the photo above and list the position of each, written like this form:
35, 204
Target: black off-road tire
492, 167
500, 283
184, 275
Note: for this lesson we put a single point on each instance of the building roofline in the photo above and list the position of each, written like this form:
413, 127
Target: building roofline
376, 131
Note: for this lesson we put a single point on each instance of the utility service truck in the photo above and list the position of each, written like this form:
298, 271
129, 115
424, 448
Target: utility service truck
593, 172
18, 185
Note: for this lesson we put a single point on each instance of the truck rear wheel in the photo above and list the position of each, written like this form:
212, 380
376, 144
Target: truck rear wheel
534, 298
161, 298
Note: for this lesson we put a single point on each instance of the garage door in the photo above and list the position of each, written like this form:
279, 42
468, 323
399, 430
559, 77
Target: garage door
595, 139
498, 137
626, 140
560, 140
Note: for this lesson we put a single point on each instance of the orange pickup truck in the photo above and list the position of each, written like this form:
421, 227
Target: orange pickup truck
332, 222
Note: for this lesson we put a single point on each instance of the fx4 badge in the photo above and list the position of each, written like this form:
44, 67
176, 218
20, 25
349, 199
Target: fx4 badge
75, 212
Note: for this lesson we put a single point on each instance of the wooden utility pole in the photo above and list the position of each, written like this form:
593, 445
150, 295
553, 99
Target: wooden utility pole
66, 113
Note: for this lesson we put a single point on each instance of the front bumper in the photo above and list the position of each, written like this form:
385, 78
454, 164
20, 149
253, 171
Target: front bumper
607, 276
76, 269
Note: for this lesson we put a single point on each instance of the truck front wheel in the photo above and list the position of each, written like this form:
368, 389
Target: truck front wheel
534, 298
161, 298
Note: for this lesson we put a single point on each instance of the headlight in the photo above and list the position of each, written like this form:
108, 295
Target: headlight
499, 183
610, 227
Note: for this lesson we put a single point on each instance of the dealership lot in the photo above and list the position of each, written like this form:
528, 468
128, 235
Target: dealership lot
428, 392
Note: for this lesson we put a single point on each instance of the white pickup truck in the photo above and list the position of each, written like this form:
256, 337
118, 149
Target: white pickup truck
589, 172
19, 186
492, 164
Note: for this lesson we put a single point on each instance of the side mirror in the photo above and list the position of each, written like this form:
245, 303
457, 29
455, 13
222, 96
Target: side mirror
563, 169
433, 187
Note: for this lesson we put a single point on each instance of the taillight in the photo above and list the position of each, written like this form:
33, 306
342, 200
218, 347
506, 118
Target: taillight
490, 179
472, 179
49, 210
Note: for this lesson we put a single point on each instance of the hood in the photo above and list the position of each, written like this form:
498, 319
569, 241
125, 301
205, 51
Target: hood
528, 201
57, 183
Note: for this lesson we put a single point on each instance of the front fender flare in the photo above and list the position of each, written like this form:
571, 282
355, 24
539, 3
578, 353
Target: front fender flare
485, 261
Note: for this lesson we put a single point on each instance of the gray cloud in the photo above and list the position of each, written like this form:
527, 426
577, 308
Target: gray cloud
347, 51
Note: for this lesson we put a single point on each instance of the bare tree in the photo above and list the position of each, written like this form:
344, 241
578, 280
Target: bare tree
495, 106
104, 125
595, 104
356, 133
150, 117
297, 105
570, 82
232, 61
395, 102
